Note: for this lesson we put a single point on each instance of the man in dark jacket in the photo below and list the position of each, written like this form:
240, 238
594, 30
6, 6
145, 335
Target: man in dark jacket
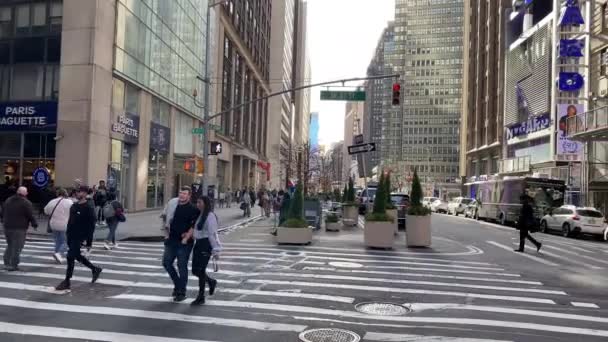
18, 214
100, 198
526, 220
80, 226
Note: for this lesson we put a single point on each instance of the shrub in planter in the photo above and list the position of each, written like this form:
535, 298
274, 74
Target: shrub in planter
418, 232
295, 229
331, 223
349, 207
379, 228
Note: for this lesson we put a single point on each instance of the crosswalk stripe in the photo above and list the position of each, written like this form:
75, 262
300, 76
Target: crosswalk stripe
404, 268
404, 319
401, 290
585, 305
404, 263
387, 337
158, 315
542, 261
89, 335
423, 275
29, 287
567, 259
594, 259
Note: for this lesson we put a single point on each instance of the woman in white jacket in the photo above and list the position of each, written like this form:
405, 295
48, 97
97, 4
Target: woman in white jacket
58, 211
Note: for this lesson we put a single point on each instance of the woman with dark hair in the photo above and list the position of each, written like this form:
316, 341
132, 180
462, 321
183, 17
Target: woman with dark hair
207, 245
113, 212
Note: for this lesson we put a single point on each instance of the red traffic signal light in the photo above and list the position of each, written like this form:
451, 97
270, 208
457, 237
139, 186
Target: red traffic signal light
396, 94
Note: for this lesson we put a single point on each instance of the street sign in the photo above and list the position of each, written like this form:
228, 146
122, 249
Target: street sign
329, 95
361, 148
198, 130
358, 139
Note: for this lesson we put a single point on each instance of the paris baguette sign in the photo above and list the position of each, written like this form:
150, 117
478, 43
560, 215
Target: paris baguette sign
28, 116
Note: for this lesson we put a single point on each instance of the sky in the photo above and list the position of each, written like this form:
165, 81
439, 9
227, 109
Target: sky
342, 37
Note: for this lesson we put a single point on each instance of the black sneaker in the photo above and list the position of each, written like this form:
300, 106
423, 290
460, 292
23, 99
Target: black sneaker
174, 293
212, 285
96, 273
538, 247
200, 300
179, 298
64, 285
518, 250
12, 269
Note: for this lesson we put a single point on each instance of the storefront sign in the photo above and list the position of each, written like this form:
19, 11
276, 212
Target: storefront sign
41, 177
566, 146
570, 81
571, 14
534, 124
160, 137
126, 127
266, 167
571, 48
28, 116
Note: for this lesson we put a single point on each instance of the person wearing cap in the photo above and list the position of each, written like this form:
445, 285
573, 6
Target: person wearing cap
18, 215
81, 225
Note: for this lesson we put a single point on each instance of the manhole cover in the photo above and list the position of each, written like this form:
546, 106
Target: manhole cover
329, 335
345, 264
382, 309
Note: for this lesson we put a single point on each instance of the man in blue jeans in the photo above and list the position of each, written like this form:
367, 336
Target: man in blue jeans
181, 216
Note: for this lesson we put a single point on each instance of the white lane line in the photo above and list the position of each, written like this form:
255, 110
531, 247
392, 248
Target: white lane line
424, 275
567, 259
585, 305
507, 248
576, 246
401, 290
157, 315
386, 337
404, 263
300, 295
89, 335
426, 269
419, 307
412, 282
403, 319
594, 259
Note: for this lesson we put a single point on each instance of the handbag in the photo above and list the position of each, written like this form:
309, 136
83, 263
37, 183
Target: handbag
48, 225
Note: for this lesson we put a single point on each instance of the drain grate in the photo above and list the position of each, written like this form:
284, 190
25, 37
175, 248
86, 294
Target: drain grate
329, 335
345, 264
382, 309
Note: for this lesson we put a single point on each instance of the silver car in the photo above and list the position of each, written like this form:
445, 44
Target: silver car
572, 221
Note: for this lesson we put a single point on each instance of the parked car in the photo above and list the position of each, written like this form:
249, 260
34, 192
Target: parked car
471, 209
458, 205
439, 206
366, 199
402, 202
571, 221
427, 201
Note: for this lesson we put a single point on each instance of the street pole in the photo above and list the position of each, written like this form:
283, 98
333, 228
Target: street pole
207, 94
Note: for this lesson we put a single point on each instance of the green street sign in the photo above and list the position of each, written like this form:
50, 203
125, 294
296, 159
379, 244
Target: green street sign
198, 130
330, 95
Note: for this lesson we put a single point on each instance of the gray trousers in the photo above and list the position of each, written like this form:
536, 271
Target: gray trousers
15, 240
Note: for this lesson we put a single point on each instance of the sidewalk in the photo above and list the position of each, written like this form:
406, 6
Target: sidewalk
146, 225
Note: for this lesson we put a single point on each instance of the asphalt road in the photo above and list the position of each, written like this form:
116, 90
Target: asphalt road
470, 286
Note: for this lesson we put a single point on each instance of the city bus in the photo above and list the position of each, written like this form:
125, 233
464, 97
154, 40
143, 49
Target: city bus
499, 200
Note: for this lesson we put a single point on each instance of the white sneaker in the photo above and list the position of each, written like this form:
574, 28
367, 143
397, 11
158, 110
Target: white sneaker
57, 257
115, 244
106, 245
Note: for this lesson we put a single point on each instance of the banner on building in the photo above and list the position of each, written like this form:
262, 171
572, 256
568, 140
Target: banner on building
160, 137
28, 116
566, 147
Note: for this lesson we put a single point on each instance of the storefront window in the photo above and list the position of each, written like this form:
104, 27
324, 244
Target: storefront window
157, 173
10, 170
161, 112
119, 173
38, 145
10, 144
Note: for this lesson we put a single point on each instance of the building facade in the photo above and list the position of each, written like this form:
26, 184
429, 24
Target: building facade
242, 69
483, 87
424, 132
302, 75
353, 126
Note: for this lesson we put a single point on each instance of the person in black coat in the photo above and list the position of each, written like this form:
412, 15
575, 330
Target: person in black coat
526, 220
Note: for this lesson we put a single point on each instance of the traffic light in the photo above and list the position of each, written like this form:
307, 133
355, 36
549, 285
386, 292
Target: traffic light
396, 94
216, 147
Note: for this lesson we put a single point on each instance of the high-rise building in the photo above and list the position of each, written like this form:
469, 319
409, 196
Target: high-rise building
483, 87
302, 75
377, 94
353, 121
313, 135
281, 108
423, 132
241, 64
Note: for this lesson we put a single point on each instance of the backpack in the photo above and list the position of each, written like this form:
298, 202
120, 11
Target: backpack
108, 210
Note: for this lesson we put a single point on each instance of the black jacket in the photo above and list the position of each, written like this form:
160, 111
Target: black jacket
18, 213
526, 217
82, 220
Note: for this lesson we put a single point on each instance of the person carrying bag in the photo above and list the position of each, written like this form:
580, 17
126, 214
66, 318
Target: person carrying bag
207, 246
58, 210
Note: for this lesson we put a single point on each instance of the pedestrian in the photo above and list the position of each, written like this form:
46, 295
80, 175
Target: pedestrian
81, 225
100, 198
222, 198
228, 198
207, 245
90, 203
246, 204
267, 202
252, 196
525, 222
58, 211
181, 216
113, 212
283, 211
18, 215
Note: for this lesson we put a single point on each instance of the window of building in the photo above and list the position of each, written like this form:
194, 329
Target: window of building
56, 16
6, 22
22, 22
10, 144
161, 112
27, 82
38, 18
131, 99
118, 93
38, 145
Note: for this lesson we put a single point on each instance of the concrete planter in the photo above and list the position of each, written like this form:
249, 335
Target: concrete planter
379, 234
418, 233
296, 236
393, 213
350, 215
333, 226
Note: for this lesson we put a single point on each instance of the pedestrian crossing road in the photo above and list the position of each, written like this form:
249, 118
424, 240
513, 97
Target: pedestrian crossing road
469, 287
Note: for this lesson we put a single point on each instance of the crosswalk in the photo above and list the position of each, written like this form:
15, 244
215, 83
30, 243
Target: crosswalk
273, 293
